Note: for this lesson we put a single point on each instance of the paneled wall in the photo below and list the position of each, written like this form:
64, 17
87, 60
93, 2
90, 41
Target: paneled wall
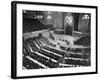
54, 18
58, 20
84, 23
31, 22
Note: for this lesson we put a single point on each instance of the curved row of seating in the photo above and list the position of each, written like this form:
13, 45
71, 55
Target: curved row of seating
28, 64
47, 42
48, 54
77, 62
54, 50
83, 56
77, 50
42, 51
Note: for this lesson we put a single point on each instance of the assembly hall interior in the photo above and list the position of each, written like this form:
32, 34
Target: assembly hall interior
56, 39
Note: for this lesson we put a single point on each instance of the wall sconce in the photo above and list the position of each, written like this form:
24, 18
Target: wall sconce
85, 16
49, 17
